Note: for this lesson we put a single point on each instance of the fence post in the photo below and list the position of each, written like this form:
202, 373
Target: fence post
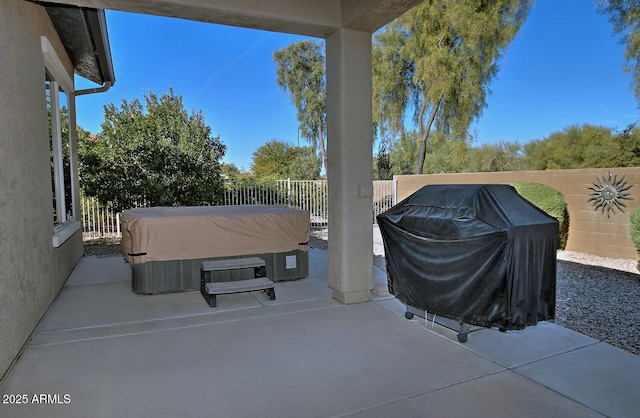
395, 190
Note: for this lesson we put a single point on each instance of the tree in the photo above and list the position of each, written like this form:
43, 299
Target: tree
272, 160
300, 70
624, 15
629, 140
233, 172
306, 165
279, 160
445, 155
442, 56
404, 152
503, 156
585, 146
158, 155
384, 167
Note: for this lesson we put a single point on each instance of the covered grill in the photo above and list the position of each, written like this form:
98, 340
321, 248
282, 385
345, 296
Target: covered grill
476, 254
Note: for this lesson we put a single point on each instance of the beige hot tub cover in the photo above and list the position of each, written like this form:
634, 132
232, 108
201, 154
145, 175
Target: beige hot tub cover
192, 232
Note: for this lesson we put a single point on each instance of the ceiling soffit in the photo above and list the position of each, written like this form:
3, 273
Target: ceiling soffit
83, 32
317, 18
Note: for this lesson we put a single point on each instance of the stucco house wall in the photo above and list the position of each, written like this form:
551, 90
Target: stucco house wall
590, 231
32, 271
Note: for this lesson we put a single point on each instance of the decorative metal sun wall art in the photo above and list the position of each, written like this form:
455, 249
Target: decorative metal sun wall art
608, 193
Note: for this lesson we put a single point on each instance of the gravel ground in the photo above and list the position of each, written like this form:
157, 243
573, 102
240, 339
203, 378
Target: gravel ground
595, 296
102, 247
599, 301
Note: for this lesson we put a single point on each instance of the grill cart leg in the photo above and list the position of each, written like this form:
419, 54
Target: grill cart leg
461, 327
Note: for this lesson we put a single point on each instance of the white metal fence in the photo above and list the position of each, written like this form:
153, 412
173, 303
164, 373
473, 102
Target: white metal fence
98, 220
311, 195
308, 195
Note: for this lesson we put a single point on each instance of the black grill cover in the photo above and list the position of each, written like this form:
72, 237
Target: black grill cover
479, 254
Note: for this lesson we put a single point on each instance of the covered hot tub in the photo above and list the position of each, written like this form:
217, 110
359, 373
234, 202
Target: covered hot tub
166, 245
475, 254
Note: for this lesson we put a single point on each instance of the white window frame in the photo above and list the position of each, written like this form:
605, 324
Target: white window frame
61, 80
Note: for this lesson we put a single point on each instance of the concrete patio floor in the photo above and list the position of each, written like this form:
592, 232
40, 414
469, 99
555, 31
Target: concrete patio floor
102, 351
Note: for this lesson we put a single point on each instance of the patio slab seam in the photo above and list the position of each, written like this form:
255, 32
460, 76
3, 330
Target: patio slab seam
49, 338
422, 393
557, 392
505, 368
514, 369
606, 385
527, 363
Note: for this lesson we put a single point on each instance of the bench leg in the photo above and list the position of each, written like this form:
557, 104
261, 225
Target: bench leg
205, 277
212, 301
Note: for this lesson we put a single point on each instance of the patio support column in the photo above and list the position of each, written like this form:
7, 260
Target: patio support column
350, 162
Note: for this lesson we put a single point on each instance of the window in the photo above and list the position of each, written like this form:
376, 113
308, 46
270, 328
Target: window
60, 100
59, 152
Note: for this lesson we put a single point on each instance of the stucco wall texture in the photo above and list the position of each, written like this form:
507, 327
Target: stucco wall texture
32, 271
590, 231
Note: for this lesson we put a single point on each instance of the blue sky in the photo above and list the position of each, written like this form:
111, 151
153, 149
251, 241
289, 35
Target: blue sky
563, 68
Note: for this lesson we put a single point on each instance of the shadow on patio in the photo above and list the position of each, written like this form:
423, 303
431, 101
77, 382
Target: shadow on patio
102, 351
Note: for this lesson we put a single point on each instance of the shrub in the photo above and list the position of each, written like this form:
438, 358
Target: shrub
549, 200
634, 225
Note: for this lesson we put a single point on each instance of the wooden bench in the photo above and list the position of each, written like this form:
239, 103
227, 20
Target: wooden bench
210, 290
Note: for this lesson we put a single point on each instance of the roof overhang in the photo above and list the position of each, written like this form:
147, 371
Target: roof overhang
83, 32
317, 18
82, 26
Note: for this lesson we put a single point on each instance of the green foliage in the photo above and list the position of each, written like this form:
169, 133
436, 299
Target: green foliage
404, 152
158, 155
634, 226
300, 70
306, 164
628, 142
256, 192
383, 169
279, 160
503, 156
392, 75
445, 156
625, 17
439, 59
233, 172
272, 160
585, 146
549, 200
